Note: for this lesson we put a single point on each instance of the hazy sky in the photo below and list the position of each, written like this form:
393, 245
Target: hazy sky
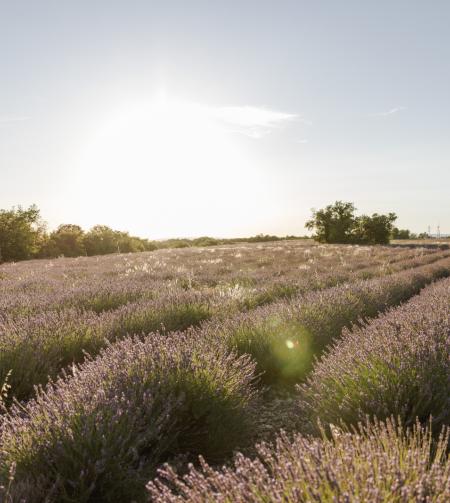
225, 118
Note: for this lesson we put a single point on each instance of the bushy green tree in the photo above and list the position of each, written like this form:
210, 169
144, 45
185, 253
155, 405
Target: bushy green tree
67, 240
400, 233
333, 224
373, 230
101, 240
22, 233
205, 241
149, 245
129, 244
337, 223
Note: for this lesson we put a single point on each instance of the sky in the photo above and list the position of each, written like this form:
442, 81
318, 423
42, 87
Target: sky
224, 118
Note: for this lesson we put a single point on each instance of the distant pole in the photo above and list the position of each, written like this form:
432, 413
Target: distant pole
429, 231
438, 231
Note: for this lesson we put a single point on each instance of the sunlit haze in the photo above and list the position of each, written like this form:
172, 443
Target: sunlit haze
182, 119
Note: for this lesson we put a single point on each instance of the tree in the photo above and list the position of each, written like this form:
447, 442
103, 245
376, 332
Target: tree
400, 233
333, 224
337, 223
23, 236
21, 233
67, 240
129, 244
101, 240
376, 229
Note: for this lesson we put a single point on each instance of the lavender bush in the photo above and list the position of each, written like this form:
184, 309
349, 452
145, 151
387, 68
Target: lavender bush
378, 463
396, 364
107, 282
98, 434
284, 338
100, 430
34, 348
77, 305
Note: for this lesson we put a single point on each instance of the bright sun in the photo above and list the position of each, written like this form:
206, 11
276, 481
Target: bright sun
167, 157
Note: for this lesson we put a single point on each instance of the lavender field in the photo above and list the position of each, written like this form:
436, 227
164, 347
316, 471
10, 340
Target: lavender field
285, 371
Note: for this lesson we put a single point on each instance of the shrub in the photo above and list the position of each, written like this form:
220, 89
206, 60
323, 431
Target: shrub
280, 345
395, 365
99, 434
373, 230
40, 346
271, 294
67, 240
337, 223
205, 241
284, 338
21, 233
378, 463
333, 224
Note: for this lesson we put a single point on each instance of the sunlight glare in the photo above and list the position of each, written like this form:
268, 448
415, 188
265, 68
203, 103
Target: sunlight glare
168, 156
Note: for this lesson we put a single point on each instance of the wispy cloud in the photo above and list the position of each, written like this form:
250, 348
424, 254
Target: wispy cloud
302, 141
10, 119
392, 111
251, 121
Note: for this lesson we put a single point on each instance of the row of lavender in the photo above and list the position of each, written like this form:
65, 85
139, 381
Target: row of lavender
100, 433
206, 264
377, 463
284, 338
394, 366
105, 283
36, 346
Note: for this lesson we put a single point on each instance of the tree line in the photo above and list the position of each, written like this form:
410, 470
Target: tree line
337, 223
24, 235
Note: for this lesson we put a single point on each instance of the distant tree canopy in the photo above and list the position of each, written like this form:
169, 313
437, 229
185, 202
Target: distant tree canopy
406, 234
72, 241
337, 223
333, 224
101, 240
21, 233
23, 236
67, 240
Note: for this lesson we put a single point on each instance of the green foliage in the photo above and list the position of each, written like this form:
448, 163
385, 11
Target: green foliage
373, 230
281, 348
129, 244
100, 433
101, 240
21, 233
67, 240
166, 319
23, 236
268, 295
175, 243
262, 238
44, 350
380, 462
285, 344
397, 364
337, 223
333, 224
400, 233
205, 241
